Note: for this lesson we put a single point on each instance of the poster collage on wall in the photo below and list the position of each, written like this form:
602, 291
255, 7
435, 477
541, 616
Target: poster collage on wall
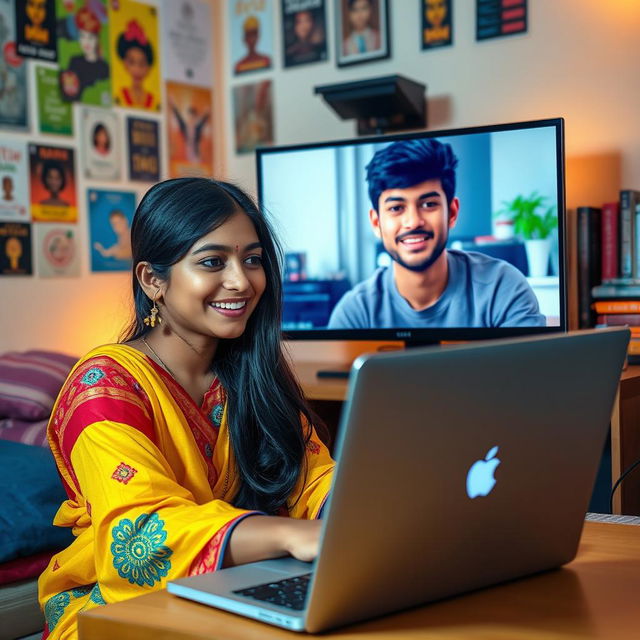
111, 78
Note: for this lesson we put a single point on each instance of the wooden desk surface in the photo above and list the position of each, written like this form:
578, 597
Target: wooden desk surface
595, 596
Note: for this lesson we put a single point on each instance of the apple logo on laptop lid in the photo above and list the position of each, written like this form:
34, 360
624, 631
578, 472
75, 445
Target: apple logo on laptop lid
480, 480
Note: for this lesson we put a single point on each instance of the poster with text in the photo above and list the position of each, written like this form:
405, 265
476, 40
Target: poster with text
53, 184
144, 149
253, 116
251, 34
13, 71
186, 42
54, 114
304, 31
110, 217
57, 249
15, 249
135, 55
14, 188
190, 135
83, 51
36, 29
437, 23
497, 19
100, 136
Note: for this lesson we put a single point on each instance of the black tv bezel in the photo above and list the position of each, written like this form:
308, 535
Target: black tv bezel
418, 336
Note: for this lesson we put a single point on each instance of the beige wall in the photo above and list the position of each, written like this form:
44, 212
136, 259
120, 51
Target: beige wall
579, 61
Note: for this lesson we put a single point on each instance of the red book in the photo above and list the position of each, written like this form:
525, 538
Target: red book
610, 241
632, 319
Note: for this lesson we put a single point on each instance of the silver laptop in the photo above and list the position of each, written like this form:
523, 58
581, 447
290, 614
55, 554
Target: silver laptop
458, 467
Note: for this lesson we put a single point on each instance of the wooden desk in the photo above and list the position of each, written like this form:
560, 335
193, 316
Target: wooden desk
326, 396
595, 596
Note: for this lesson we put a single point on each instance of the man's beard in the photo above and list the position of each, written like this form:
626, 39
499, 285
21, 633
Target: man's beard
426, 263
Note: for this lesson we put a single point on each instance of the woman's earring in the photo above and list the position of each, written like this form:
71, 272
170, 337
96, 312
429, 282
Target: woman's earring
153, 317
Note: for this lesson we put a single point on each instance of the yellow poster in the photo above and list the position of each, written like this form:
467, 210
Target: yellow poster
135, 54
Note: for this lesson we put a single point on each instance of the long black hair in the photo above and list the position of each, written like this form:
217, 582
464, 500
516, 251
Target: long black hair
264, 400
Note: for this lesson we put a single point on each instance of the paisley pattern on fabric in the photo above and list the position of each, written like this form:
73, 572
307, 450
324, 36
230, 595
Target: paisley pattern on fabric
54, 609
93, 376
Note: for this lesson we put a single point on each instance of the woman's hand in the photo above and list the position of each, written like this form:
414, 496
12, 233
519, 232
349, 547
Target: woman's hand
303, 540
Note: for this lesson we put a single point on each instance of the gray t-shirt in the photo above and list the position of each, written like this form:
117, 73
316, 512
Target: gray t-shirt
481, 292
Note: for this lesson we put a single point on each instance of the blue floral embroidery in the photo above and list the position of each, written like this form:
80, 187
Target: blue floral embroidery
96, 595
138, 552
79, 592
54, 609
216, 415
92, 376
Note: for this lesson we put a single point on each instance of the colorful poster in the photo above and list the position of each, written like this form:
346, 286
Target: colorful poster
54, 114
186, 42
144, 149
251, 33
53, 184
100, 135
189, 131
304, 31
83, 51
437, 29
13, 74
500, 18
110, 217
36, 29
15, 249
57, 248
253, 116
14, 190
135, 54
362, 31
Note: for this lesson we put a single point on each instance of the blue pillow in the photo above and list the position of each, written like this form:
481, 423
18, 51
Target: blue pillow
31, 493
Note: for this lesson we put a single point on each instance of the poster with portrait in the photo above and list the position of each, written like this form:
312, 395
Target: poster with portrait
134, 55
110, 217
362, 31
304, 30
57, 250
144, 149
253, 116
15, 249
14, 188
100, 140
13, 71
36, 29
251, 35
437, 23
54, 114
189, 130
83, 51
53, 184
186, 42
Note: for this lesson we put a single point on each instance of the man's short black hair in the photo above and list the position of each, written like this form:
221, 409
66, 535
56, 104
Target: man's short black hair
407, 162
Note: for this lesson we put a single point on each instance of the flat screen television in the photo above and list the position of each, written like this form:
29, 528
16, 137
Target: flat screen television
422, 237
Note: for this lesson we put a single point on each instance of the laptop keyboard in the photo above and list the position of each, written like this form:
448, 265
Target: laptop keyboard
290, 592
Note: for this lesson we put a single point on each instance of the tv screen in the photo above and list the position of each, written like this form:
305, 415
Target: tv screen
427, 236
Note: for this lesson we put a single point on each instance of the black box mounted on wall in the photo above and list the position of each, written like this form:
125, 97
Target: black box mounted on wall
380, 105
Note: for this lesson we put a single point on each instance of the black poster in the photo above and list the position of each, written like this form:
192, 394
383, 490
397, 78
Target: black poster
15, 249
437, 25
495, 18
304, 31
144, 149
36, 29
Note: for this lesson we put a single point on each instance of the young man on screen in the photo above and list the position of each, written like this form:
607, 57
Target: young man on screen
412, 186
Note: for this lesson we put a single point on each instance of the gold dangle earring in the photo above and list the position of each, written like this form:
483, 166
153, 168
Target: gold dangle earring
153, 317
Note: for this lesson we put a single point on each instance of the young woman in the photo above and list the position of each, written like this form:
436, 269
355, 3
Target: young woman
136, 53
188, 446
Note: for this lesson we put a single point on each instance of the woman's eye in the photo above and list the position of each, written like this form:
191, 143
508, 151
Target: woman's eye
254, 260
211, 263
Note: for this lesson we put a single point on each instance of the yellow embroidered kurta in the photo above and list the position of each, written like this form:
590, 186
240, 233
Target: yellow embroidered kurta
149, 477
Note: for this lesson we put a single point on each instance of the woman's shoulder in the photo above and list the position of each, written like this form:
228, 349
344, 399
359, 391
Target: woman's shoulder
116, 358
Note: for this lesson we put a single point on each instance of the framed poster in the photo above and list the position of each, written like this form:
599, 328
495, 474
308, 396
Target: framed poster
304, 29
54, 114
14, 186
53, 188
110, 217
253, 116
57, 250
496, 19
186, 42
36, 29
83, 51
437, 23
144, 149
100, 141
251, 35
13, 71
362, 31
189, 130
15, 249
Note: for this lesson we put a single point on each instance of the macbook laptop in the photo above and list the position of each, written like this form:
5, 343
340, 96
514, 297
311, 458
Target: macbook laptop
459, 467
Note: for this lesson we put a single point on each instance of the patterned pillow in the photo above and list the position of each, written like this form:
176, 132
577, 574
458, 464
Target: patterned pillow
25, 431
30, 382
